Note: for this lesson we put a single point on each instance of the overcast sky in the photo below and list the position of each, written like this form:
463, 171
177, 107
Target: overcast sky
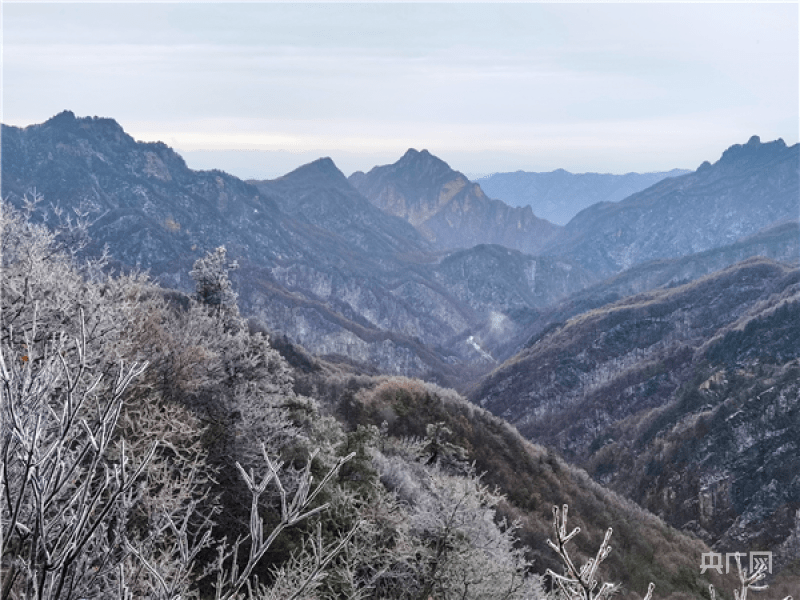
486, 87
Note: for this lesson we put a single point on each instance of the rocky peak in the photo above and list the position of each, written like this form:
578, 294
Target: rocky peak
412, 154
756, 151
421, 166
65, 117
449, 210
419, 176
67, 121
322, 171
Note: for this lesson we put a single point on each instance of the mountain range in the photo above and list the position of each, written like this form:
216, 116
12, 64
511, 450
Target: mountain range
559, 195
682, 398
323, 263
651, 341
752, 186
318, 262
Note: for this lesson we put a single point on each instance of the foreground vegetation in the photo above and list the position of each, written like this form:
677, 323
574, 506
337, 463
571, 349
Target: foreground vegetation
156, 446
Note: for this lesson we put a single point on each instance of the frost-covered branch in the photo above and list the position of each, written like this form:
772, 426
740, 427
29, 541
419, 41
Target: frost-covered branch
581, 584
746, 581
62, 486
230, 580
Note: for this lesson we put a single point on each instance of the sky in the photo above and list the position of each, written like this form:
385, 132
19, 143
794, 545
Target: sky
258, 89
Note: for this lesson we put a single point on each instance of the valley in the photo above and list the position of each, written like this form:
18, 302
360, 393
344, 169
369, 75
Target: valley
639, 360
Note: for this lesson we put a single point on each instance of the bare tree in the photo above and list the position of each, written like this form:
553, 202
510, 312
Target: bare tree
231, 579
747, 581
581, 584
459, 550
70, 496
63, 489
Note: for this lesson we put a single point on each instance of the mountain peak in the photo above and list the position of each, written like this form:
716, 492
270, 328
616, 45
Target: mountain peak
413, 153
324, 164
66, 122
62, 118
424, 163
754, 149
322, 169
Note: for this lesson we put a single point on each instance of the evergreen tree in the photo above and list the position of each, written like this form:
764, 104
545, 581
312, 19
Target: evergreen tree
212, 284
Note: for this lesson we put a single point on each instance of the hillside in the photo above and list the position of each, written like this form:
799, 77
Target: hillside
559, 195
532, 478
641, 391
594, 349
449, 210
400, 511
780, 243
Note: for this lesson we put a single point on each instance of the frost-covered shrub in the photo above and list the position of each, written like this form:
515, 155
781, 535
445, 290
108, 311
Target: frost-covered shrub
461, 549
89, 513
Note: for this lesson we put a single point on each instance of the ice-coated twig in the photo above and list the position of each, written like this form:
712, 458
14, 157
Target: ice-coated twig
581, 584
232, 579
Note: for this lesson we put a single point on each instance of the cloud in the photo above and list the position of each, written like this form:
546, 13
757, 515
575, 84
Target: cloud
608, 83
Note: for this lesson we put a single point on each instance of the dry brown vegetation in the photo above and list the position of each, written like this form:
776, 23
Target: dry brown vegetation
533, 481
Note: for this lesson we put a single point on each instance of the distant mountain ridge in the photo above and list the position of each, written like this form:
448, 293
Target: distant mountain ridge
324, 266
449, 210
560, 195
319, 194
780, 243
752, 186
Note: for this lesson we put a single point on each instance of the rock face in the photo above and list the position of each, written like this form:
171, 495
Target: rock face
684, 399
752, 186
318, 262
560, 195
448, 209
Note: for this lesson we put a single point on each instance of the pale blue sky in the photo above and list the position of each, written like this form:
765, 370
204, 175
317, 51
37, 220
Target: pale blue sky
487, 87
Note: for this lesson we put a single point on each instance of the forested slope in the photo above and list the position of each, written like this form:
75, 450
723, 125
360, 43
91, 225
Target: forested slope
209, 411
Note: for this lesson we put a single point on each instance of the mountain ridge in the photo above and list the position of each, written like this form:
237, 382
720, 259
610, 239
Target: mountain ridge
624, 390
317, 261
448, 209
750, 187
559, 195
